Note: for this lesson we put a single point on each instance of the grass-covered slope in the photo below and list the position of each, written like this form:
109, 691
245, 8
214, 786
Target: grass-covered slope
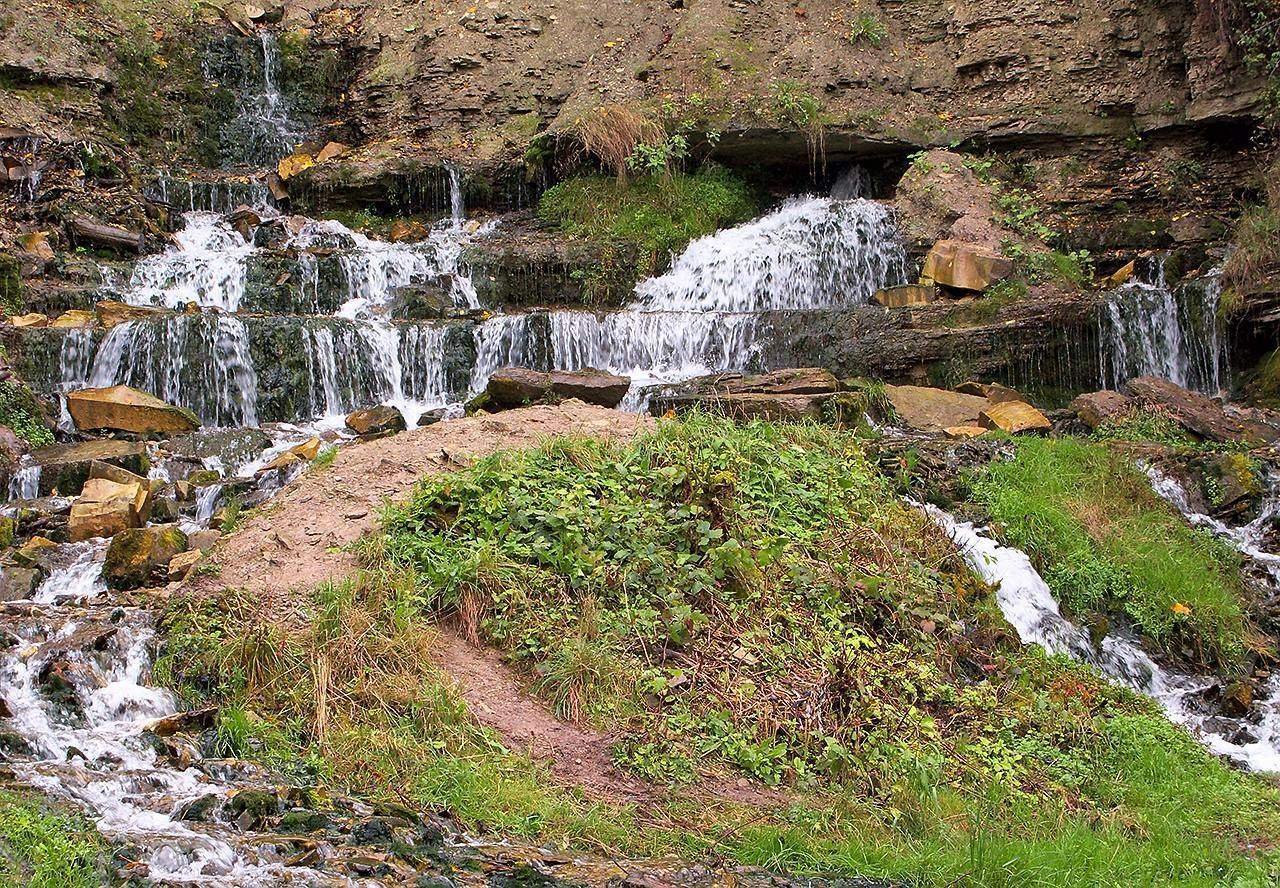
42, 847
1106, 542
729, 601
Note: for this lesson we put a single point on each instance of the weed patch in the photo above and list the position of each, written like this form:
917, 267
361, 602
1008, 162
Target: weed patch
656, 215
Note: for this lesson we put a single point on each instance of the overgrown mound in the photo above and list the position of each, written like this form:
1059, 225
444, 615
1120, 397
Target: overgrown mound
1107, 544
725, 599
754, 596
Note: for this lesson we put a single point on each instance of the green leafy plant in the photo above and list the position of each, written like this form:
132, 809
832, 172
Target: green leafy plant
867, 28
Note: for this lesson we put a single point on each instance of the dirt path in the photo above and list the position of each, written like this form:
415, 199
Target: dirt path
296, 544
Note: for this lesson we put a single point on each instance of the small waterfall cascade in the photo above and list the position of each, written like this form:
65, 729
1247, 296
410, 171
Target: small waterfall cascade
264, 128
1150, 328
25, 483
705, 314
1028, 604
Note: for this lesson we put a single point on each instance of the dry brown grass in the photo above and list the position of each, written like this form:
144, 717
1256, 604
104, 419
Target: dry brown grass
611, 133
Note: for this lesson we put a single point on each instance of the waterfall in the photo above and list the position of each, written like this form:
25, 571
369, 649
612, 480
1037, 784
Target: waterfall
217, 196
206, 265
1152, 329
25, 483
263, 129
1028, 604
457, 210
200, 361
810, 253
703, 315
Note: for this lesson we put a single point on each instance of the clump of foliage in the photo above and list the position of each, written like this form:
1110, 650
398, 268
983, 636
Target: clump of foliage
20, 411
654, 215
1149, 426
47, 848
867, 28
1107, 543
1254, 259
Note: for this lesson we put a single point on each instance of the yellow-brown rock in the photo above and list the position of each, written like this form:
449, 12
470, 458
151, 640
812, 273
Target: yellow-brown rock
125, 409
964, 432
110, 312
1119, 277
105, 508
183, 562
35, 319
964, 266
932, 409
75, 319
295, 163
331, 151
905, 295
1015, 418
304, 452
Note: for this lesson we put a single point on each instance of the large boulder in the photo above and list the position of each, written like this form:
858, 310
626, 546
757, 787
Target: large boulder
19, 583
106, 508
75, 319
964, 266
139, 555
516, 386
66, 467
230, 447
124, 409
381, 420
1201, 415
935, 410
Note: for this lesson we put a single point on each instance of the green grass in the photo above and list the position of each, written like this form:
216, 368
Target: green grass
1107, 543
656, 214
728, 600
41, 847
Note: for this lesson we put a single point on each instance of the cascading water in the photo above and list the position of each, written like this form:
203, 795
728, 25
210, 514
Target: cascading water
264, 128
703, 315
206, 265
201, 361
1028, 604
25, 483
1149, 328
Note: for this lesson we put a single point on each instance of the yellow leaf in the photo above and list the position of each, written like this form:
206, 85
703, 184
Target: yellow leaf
294, 164
1180, 609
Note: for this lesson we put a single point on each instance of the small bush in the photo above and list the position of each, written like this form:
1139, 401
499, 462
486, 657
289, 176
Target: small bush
657, 215
45, 848
867, 28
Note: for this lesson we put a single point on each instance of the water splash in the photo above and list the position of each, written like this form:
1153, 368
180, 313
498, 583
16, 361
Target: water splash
206, 266
1152, 329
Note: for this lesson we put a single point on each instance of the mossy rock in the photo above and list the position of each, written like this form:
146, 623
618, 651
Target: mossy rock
140, 554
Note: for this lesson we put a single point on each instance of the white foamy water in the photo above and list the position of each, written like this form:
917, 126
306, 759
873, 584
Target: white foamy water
706, 313
1152, 329
1028, 604
25, 483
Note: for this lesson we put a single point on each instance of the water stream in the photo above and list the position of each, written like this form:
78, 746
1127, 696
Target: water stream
1028, 604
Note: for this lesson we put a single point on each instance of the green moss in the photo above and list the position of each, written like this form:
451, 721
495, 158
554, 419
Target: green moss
10, 285
1106, 542
43, 847
20, 411
655, 215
